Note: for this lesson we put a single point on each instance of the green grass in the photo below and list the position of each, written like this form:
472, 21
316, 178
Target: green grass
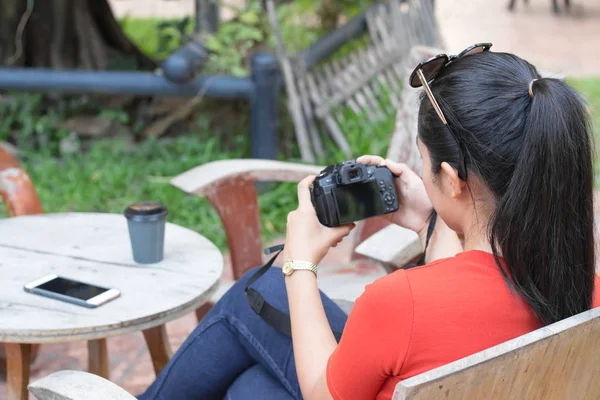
109, 177
590, 89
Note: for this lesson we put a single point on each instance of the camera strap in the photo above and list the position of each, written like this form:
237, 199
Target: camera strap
277, 318
430, 228
270, 314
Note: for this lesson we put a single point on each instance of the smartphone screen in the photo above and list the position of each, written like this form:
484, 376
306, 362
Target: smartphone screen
67, 287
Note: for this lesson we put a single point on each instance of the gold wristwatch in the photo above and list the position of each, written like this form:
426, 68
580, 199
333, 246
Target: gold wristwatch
293, 265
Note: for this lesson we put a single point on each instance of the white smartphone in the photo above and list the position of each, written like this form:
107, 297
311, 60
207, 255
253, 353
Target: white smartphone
72, 291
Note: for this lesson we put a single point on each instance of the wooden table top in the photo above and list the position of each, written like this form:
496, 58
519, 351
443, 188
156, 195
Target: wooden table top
95, 248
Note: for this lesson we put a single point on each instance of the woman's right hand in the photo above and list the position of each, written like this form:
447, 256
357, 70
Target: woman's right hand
414, 205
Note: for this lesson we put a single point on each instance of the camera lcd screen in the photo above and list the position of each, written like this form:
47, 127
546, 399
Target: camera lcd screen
67, 287
358, 201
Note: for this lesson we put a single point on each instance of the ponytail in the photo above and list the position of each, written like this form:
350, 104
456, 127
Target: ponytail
544, 222
528, 139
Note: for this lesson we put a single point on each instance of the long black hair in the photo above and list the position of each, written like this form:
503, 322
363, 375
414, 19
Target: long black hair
534, 153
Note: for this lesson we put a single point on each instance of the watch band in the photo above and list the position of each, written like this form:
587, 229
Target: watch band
296, 265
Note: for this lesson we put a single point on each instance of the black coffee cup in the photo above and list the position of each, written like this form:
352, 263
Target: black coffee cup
146, 221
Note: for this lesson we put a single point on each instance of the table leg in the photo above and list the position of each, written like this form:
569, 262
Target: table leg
98, 358
159, 347
34, 352
18, 357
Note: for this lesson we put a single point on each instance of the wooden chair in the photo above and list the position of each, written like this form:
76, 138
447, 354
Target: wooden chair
20, 197
558, 362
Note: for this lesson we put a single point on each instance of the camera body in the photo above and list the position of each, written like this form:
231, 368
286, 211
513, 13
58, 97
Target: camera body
350, 191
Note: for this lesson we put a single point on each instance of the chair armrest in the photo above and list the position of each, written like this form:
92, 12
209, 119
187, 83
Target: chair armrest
202, 179
392, 245
76, 385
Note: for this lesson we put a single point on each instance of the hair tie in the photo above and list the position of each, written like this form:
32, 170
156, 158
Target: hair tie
531, 87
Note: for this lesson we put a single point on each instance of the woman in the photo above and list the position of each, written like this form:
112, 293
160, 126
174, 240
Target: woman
507, 165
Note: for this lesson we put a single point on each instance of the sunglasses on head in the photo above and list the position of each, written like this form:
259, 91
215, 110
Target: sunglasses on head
427, 70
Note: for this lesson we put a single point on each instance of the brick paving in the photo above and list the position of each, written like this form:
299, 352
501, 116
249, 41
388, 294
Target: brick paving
130, 363
563, 44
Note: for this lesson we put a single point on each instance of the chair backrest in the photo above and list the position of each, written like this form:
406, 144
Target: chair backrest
559, 361
16, 189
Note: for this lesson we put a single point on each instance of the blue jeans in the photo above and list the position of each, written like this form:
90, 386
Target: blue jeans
234, 354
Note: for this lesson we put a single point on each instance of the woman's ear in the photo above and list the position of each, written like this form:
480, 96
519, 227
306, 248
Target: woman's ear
450, 180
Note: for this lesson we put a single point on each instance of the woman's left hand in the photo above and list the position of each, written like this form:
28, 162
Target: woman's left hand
306, 238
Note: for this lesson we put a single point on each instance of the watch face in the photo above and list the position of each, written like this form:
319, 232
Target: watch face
287, 268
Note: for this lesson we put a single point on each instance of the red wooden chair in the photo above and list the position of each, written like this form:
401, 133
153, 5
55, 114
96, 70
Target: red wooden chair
20, 198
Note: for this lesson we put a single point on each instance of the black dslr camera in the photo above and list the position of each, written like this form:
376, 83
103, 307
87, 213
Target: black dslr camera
350, 191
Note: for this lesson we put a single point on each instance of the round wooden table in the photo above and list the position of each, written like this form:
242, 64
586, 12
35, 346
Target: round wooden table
95, 248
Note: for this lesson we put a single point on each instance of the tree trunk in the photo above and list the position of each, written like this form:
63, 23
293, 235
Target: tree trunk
10, 12
63, 34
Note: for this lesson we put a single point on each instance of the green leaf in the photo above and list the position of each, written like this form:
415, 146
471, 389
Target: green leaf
172, 32
250, 18
250, 33
213, 43
236, 70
